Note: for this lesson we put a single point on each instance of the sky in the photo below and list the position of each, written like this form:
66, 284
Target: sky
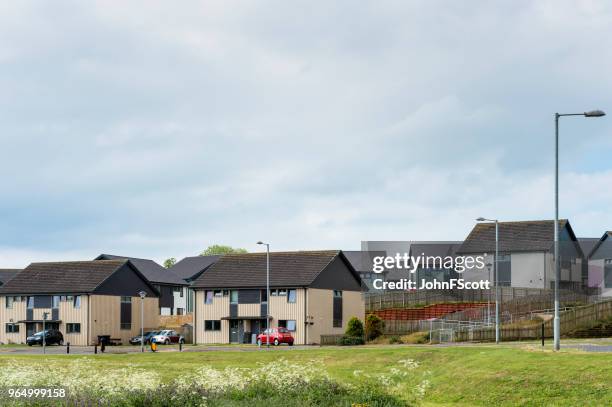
155, 129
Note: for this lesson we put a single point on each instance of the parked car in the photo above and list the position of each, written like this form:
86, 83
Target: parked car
147, 338
167, 337
275, 336
52, 337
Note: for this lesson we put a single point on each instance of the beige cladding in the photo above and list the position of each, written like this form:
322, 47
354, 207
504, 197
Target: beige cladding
281, 309
320, 312
16, 313
215, 311
105, 317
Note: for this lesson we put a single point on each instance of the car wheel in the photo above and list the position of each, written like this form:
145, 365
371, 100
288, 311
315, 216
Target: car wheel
167, 342
276, 342
290, 343
29, 344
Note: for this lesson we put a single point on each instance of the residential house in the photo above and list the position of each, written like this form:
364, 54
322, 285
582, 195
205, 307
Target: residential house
527, 253
82, 299
312, 293
363, 263
172, 289
600, 265
189, 269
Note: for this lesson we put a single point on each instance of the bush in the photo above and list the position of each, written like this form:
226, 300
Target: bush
395, 339
354, 328
351, 340
373, 327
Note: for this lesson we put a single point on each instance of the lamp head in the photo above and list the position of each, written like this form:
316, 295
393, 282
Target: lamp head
595, 113
142, 294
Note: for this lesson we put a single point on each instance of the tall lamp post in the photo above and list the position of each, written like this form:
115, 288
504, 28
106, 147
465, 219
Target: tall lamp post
495, 275
142, 294
267, 289
557, 321
489, 267
44, 341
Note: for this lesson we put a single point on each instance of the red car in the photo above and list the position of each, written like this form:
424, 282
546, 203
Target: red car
275, 336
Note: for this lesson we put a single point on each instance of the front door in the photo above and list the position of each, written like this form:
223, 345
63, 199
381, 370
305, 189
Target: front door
236, 328
31, 328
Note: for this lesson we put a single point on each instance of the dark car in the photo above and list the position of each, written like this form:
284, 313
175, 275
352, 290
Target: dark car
147, 338
52, 337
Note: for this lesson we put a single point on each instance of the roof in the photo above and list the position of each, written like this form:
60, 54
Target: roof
587, 244
62, 277
190, 268
525, 236
599, 242
362, 261
287, 269
151, 270
7, 274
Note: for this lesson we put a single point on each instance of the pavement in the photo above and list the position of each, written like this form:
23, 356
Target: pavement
90, 350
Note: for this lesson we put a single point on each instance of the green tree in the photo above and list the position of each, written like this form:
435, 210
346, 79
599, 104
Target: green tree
217, 249
373, 327
169, 262
354, 328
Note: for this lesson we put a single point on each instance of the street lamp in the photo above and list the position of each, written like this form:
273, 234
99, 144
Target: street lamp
267, 289
44, 341
557, 323
489, 267
142, 294
495, 274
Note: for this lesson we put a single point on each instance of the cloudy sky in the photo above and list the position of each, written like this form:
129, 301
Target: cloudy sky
153, 129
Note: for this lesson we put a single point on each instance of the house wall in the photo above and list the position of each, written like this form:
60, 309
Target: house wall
67, 314
215, 311
280, 309
596, 277
320, 312
16, 313
105, 317
527, 269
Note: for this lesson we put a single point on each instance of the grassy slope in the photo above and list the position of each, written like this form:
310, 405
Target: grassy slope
482, 375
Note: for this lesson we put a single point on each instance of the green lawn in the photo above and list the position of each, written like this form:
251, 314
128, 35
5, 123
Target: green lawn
464, 375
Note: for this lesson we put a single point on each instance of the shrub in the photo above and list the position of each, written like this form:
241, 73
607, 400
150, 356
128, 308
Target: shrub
373, 327
395, 339
351, 340
354, 328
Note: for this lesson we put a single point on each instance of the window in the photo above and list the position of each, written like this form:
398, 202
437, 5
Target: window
225, 293
69, 298
218, 293
126, 300
30, 304
77, 301
12, 328
291, 295
56, 301
182, 293
126, 325
62, 298
264, 296
212, 325
287, 323
208, 299
282, 292
234, 297
337, 309
73, 328
273, 293
608, 274
8, 302
180, 311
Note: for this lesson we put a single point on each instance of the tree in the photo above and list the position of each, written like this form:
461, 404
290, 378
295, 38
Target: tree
217, 249
354, 328
373, 327
169, 262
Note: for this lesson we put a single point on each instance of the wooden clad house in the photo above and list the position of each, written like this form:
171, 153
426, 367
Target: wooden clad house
312, 293
82, 299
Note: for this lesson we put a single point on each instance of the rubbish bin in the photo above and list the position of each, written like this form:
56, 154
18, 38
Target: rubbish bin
103, 340
253, 339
